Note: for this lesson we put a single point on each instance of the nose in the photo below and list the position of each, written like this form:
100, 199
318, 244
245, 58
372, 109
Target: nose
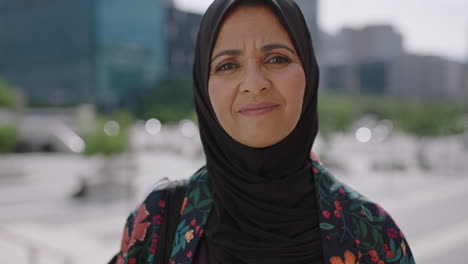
254, 79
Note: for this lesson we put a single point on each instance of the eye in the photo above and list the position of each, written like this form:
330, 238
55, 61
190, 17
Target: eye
226, 67
279, 60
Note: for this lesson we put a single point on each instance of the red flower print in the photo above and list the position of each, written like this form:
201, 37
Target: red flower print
193, 222
381, 210
132, 261
189, 254
172, 261
342, 191
390, 254
362, 212
374, 255
337, 214
381, 262
328, 237
197, 229
201, 232
392, 233
386, 248
359, 255
314, 170
357, 242
139, 227
314, 157
161, 203
326, 214
338, 205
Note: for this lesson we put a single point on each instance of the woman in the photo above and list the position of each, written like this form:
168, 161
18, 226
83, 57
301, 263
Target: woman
262, 196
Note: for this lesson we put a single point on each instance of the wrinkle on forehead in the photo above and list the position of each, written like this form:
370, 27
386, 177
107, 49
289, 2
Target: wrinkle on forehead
234, 33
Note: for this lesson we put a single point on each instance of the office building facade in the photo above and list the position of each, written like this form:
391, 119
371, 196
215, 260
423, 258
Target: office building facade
106, 52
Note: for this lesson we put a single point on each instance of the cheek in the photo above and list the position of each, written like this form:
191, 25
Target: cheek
222, 96
292, 89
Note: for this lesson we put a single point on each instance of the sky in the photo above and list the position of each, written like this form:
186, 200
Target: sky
437, 27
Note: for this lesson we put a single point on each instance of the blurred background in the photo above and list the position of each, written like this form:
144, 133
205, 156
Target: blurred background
96, 107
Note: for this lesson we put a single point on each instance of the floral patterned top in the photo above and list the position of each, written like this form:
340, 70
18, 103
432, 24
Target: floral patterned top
353, 228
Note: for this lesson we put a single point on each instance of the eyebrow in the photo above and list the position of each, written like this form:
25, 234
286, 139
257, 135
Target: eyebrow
230, 52
273, 46
265, 48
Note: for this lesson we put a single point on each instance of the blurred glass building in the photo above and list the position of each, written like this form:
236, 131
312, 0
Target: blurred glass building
47, 49
182, 31
130, 49
107, 52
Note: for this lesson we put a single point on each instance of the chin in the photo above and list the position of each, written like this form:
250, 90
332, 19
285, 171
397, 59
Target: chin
261, 141
260, 134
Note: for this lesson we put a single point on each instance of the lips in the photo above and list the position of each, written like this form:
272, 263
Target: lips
258, 109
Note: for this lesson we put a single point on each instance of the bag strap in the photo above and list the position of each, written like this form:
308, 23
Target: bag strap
174, 197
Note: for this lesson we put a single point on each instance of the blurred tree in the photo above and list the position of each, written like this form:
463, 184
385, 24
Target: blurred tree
8, 132
335, 114
419, 118
7, 97
8, 138
170, 101
110, 134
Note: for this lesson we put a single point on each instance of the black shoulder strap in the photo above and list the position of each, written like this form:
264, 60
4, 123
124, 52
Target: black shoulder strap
174, 197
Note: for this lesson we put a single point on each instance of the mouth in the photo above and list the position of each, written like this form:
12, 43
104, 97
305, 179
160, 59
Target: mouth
258, 109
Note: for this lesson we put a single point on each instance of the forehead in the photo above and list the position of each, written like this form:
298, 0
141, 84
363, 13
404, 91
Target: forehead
251, 23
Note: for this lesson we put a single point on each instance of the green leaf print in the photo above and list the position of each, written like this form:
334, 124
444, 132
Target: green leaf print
185, 229
133, 250
326, 226
181, 225
366, 244
367, 212
188, 209
392, 245
353, 195
175, 250
397, 255
355, 206
197, 195
363, 228
404, 260
206, 192
377, 236
203, 203
184, 243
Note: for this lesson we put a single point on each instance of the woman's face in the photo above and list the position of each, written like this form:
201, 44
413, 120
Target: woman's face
257, 81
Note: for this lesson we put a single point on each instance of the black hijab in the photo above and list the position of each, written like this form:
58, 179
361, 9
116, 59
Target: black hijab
264, 207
